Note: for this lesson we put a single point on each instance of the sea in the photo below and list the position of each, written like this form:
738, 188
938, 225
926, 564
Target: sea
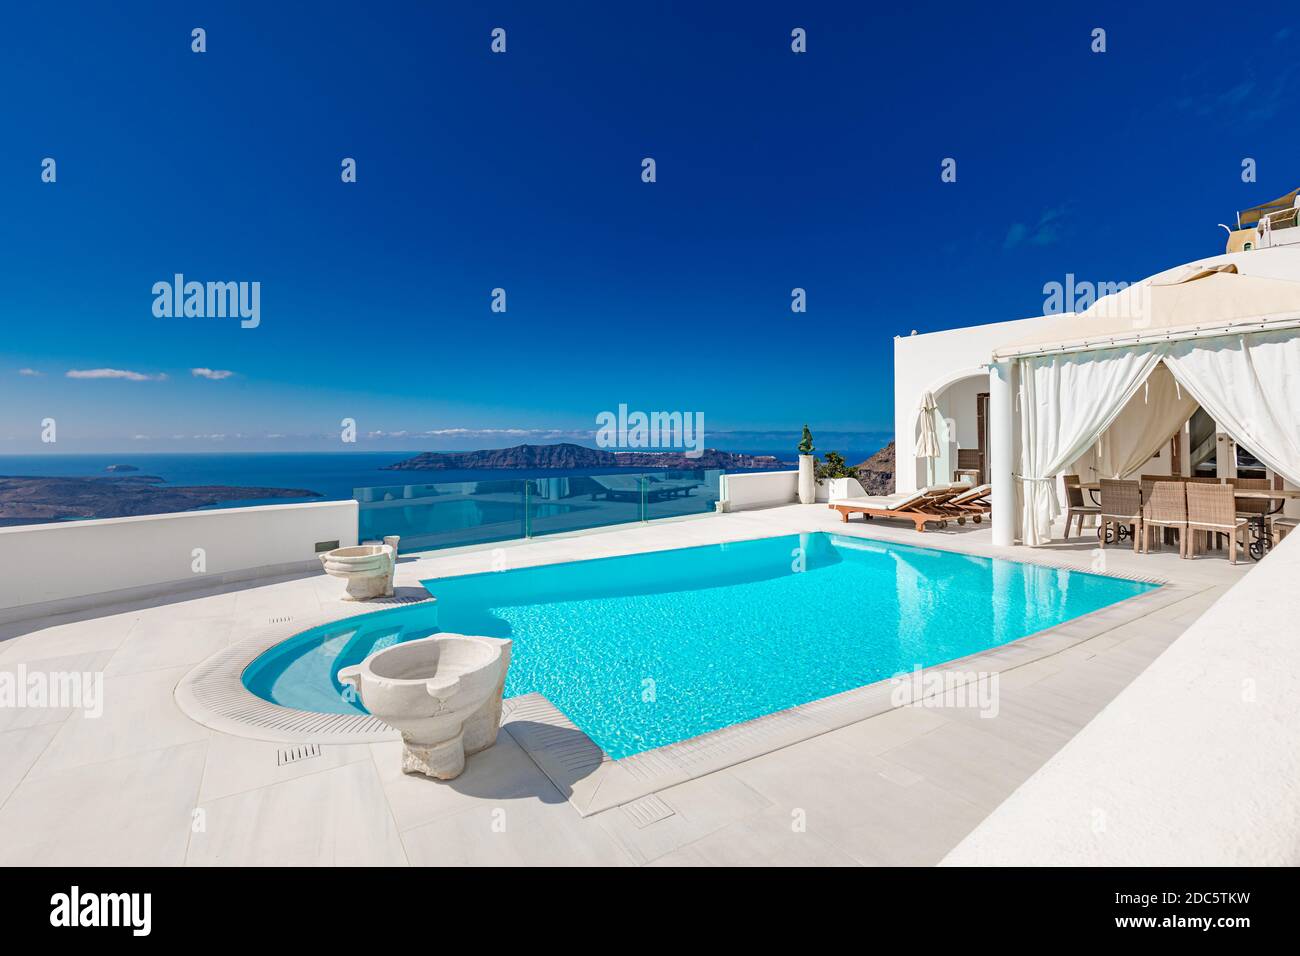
332, 475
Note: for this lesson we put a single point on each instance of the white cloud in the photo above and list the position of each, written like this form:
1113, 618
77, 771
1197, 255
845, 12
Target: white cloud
30, 372
121, 373
216, 374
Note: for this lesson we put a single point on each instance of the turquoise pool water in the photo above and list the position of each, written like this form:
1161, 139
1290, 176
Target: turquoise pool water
649, 649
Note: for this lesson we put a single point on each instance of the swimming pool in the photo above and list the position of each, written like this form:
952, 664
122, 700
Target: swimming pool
649, 649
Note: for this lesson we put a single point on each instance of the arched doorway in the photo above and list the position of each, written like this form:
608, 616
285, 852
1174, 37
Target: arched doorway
961, 402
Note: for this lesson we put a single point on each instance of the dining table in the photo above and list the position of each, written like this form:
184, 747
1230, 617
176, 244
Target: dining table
1262, 540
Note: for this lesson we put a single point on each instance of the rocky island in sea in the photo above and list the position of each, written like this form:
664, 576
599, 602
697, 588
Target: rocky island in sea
32, 499
567, 455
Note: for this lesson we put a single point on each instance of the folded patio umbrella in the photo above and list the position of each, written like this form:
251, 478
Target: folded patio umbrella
927, 444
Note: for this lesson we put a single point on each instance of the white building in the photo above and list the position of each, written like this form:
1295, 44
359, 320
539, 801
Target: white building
971, 373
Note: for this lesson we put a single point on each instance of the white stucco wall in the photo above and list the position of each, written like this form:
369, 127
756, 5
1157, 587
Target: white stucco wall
760, 489
1196, 763
79, 563
932, 362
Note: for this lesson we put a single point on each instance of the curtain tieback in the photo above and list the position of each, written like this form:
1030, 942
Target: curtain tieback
1028, 478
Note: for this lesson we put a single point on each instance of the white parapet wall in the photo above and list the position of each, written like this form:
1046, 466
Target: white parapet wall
1196, 763
48, 568
760, 489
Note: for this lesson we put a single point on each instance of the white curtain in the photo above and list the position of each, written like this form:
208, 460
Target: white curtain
1066, 403
1158, 409
1250, 385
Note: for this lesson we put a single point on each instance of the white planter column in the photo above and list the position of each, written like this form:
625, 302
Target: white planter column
807, 483
1001, 466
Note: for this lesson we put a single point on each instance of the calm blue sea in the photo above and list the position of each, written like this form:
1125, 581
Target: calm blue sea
332, 474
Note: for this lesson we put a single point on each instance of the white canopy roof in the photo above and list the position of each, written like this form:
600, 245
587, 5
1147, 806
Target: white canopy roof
1197, 302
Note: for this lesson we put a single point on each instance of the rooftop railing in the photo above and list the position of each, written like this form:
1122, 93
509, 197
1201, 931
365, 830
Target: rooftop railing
454, 513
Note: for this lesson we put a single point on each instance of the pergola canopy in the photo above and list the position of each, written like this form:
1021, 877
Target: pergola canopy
1197, 303
1232, 342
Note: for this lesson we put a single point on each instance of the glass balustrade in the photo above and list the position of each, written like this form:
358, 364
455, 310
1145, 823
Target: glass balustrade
454, 513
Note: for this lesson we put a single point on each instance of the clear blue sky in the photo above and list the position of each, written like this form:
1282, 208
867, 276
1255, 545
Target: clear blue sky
522, 171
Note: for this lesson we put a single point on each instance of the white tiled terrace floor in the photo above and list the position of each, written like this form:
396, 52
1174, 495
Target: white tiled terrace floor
144, 784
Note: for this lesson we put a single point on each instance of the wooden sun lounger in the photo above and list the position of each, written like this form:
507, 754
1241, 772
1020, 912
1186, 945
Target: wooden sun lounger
973, 502
922, 507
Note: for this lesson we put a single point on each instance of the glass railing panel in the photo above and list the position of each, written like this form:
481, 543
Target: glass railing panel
670, 494
450, 514
572, 503
444, 514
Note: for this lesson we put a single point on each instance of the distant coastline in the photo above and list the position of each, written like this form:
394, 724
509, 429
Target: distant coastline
36, 499
567, 455
60, 486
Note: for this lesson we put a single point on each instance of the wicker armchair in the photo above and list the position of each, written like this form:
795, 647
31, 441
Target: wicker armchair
1077, 507
1121, 506
1213, 509
1165, 507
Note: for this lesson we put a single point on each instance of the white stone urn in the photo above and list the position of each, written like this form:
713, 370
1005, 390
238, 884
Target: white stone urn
442, 693
368, 570
807, 483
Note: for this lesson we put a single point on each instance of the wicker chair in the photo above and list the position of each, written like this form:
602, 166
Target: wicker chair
1077, 507
1283, 526
1121, 506
1165, 507
1213, 509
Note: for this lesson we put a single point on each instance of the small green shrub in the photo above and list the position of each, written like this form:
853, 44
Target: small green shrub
834, 467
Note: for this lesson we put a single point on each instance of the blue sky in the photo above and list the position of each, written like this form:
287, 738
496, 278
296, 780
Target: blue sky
522, 171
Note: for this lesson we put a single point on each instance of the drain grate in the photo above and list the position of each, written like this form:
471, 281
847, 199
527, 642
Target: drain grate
647, 810
288, 755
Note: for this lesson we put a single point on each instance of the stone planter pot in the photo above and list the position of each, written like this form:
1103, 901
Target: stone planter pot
367, 569
807, 484
443, 694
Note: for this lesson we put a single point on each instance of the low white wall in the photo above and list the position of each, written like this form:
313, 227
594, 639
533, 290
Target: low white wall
760, 489
79, 563
1196, 763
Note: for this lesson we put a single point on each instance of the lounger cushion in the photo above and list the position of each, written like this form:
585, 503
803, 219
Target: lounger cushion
885, 502
973, 495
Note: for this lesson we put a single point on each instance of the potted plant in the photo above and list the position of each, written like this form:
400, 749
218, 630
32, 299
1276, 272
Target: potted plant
807, 488
839, 479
